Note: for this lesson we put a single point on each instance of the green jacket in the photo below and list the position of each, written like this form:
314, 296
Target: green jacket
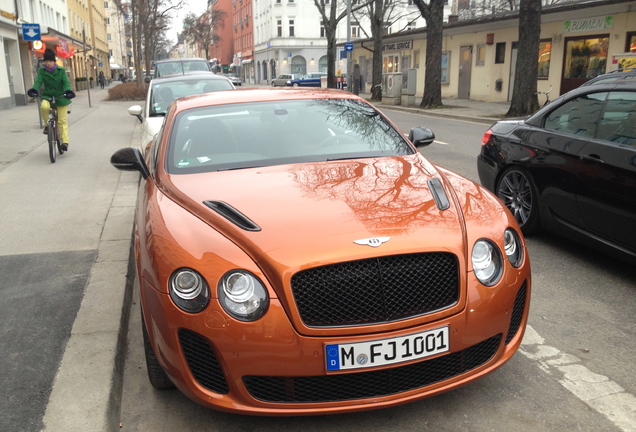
55, 84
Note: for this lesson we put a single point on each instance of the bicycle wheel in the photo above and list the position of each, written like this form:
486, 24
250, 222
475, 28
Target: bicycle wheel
52, 141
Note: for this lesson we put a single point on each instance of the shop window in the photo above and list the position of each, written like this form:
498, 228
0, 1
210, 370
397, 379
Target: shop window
631, 42
585, 58
500, 53
481, 55
545, 51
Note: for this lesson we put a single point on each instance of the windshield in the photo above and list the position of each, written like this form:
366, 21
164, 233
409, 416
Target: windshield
260, 134
163, 94
180, 67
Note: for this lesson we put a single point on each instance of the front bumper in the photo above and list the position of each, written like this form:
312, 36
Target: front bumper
267, 368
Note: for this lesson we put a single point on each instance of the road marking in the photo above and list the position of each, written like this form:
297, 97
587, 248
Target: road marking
599, 392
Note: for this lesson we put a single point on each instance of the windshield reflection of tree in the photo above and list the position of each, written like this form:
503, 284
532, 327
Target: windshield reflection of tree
389, 193
363, 121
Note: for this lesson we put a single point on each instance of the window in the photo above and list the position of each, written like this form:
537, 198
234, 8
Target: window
291, 28
545, 48
411, 25
481, 55
578, 116
445, 67
279, 27
355, 30
500, 53
108, 37
631, 42
323, 32
105, 5
586, 57
618, 122
107, 21
390, 63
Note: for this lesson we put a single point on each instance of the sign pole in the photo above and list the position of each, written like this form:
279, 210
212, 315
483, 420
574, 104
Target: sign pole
88, 82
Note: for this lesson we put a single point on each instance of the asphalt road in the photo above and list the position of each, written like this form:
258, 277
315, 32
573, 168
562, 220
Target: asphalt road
573, 372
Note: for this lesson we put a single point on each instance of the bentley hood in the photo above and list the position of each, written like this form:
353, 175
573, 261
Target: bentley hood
315, 213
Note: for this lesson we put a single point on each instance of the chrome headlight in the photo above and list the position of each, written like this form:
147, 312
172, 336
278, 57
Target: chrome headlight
513, 247
189, 291
487, 262
242, 295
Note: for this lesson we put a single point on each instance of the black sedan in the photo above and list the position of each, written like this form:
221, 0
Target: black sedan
571, 167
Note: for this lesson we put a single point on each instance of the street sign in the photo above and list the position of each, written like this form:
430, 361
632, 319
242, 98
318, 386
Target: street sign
31, 32
348, 46
100, 64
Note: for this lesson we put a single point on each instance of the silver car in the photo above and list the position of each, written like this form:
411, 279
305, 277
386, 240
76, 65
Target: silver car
161, 93
282, 79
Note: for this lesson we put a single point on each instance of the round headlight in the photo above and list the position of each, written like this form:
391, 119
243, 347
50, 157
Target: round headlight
487, 262
242, 295
513, 247
189, 291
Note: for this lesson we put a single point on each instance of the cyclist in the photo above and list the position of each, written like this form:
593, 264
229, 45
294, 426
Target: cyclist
56, 83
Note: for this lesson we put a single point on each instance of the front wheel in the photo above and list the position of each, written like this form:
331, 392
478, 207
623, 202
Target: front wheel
156, 375
295, 84
518, 192
52, 142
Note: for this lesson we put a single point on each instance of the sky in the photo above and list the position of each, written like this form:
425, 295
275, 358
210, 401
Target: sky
189, 6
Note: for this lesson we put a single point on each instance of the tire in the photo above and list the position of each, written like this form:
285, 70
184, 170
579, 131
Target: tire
52, 142
273, 84
518, 192
295, 84
156, 375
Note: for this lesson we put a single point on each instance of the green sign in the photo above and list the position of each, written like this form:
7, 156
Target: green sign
588, 24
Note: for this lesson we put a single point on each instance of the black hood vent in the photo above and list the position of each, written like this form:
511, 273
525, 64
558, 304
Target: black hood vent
439, 194
233, 215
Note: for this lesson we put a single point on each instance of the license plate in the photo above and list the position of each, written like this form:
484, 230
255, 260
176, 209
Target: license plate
386, 351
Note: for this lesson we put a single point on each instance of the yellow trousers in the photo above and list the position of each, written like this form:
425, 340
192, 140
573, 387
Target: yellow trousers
62, 118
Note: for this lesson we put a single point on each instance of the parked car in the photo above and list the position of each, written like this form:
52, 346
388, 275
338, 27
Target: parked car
173, 66
571, 167
282, 79
612, 76
309, 80
235, 80
163, 91
298, 255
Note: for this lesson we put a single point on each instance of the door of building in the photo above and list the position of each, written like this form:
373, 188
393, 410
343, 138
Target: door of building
7, 58
465, 65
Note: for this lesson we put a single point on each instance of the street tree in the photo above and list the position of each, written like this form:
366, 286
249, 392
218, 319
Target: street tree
524, 99
332, 12
199, 30
381, 13
433, 13
149, 21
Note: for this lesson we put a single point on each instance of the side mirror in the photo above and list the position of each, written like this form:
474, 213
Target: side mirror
130, 159
136, 111
421, 136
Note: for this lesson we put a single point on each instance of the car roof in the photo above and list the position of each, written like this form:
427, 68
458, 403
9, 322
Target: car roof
180, 59
616, 76
187, 75
254, 95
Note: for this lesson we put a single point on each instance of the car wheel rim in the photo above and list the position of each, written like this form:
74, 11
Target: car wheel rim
516, 193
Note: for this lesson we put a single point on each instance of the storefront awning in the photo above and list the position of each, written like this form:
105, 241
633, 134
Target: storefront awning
116, 66
246, 61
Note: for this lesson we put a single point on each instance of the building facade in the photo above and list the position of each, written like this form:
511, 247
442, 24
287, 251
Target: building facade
578, 42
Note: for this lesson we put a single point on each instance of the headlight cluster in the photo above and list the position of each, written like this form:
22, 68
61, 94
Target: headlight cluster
242, 295
189, 290
488, 261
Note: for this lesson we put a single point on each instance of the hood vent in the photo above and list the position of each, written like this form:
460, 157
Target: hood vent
233, 215
439, 194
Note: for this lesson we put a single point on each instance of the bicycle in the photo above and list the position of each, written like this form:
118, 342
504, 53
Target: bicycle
546, 93
53, 136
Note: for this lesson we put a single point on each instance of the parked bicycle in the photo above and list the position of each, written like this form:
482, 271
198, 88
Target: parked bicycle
546, 93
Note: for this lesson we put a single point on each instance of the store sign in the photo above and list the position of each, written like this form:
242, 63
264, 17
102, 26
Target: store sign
589, 24
396, 46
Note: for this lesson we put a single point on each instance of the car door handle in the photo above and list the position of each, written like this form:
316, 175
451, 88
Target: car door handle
592, 157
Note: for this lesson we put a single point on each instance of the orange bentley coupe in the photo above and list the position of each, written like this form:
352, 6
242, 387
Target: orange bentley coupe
297, 255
